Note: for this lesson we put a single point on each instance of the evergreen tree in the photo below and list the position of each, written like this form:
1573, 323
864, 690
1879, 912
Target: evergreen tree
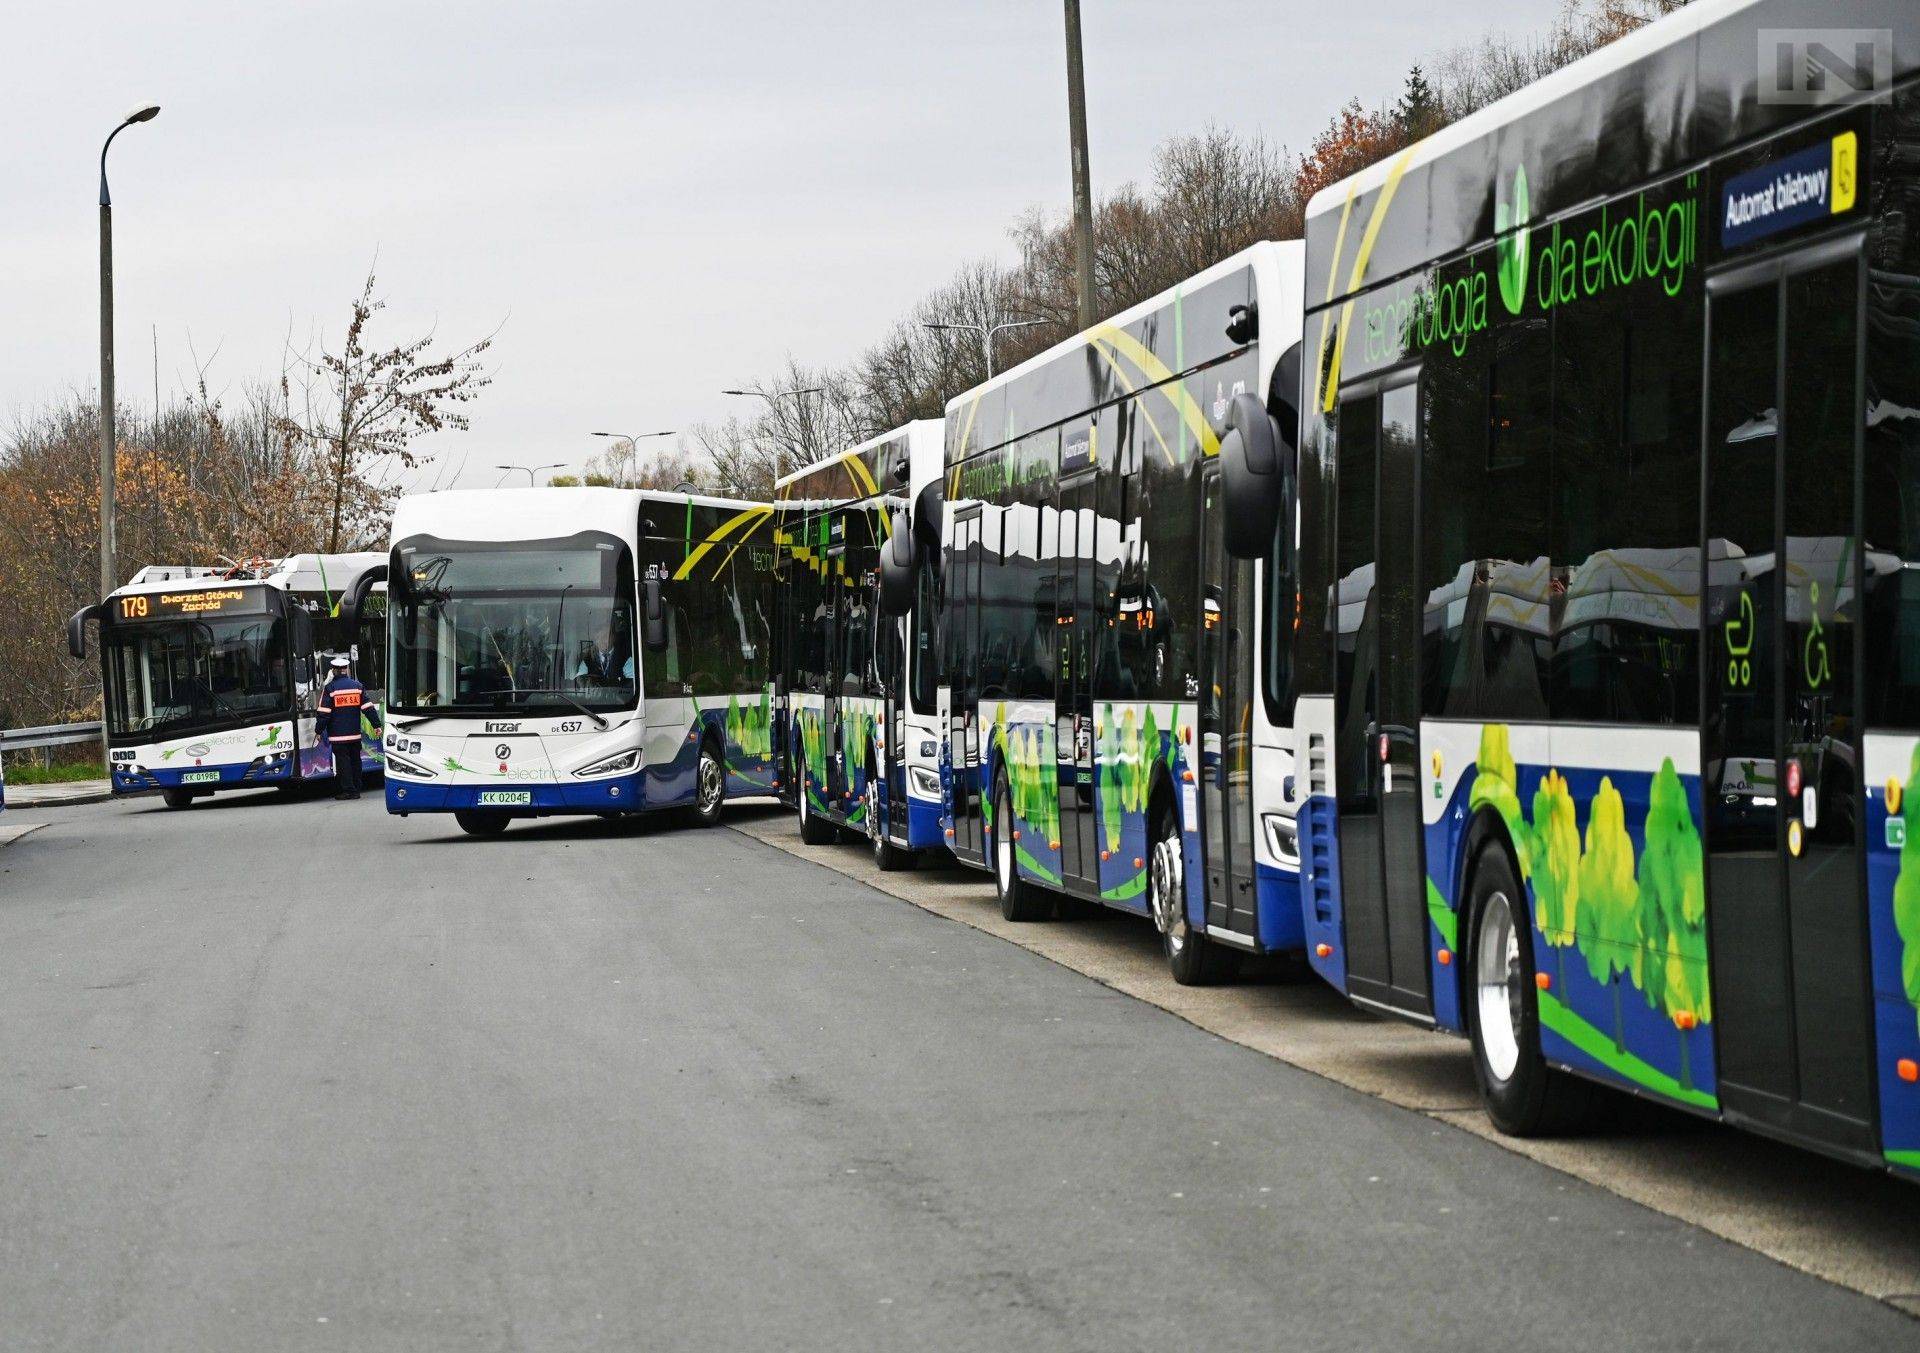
1418, 110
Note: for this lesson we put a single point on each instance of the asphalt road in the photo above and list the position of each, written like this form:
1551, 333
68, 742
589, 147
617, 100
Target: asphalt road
303, 1075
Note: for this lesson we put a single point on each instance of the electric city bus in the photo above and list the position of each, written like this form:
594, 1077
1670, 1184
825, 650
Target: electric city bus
211, 675
577, 651
858, 680
1106, 736
1607, 647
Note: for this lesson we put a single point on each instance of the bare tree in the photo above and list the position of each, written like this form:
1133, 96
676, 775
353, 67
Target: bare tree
365, 406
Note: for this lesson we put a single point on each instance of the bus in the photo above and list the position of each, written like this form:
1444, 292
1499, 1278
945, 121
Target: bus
858, 679
1107, 732
1606, 666
578, 651
210, 675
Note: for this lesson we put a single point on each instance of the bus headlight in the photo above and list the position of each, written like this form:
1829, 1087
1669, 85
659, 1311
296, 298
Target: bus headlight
412, 769
613, 765
926, 783
1283, 838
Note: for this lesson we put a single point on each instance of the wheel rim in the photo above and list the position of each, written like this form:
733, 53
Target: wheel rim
1163, 888
1498, 989
1002, 843
712, 783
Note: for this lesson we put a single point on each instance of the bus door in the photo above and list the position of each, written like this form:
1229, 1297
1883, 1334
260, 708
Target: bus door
1786, 918
1377, 700
1073, 692
838, 608
963, 672
1226, 720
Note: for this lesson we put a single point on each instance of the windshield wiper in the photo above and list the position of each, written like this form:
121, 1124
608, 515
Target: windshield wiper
564, 695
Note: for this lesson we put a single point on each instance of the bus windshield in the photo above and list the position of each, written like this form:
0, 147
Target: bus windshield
173, 678
541, 625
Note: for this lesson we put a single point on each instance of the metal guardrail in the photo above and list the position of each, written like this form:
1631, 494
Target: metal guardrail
52, 735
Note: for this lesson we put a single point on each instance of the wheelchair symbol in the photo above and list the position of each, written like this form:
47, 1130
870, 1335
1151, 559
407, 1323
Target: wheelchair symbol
1739, 637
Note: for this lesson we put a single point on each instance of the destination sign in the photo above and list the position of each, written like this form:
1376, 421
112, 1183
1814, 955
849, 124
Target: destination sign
182, 605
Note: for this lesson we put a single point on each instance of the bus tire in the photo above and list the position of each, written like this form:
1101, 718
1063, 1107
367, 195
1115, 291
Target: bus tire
709, 787
1523, 1095
177, 798
477, 823
1020, 899
887, 857
1192, 958
814, 830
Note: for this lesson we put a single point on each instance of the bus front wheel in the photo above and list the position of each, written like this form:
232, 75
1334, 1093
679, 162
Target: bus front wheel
476, 823
709, 787
1194, 960
887, 857
177, 798
1524, 1096
1020, 900
813, 830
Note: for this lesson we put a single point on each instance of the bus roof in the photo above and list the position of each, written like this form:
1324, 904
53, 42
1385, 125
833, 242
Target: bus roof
1664, 97
860, 470
537, 513
295, 573
1177, 331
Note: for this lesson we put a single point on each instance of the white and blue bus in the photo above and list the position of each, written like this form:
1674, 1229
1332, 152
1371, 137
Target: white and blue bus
858, 677
1112, 729
1608, 647
578, 651
210, 675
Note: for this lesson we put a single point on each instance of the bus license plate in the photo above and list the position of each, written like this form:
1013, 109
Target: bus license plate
200, 777
506, 798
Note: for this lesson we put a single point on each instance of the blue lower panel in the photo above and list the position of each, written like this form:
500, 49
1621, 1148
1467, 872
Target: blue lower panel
1277, 899
619, 794
924, 830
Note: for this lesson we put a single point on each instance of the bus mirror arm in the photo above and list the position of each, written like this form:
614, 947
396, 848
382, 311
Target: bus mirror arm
77, 629
897, 561
653, 616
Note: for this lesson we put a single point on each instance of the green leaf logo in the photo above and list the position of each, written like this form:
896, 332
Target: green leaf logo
1512, 251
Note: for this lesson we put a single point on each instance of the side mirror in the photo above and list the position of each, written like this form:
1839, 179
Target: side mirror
302, 633
77, 629
653, 615
303, 671
929, 512
897, 562
1256, 473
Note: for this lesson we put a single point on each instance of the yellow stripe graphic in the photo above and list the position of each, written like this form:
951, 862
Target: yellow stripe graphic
1367, 241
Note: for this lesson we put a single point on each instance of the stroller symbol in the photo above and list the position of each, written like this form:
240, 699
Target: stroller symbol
1739, 636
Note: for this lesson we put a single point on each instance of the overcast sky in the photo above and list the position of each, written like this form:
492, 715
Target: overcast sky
654, 201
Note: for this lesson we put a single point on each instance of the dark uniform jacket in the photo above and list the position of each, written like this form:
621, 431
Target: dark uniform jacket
338, 714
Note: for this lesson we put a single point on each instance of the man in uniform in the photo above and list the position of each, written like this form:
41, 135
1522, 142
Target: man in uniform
337, 719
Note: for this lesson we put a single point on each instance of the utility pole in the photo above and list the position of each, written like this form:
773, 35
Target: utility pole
1082, 184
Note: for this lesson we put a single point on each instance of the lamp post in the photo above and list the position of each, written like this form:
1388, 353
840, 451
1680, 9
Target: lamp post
987, 332
532, 470
798, 394
1082, 179
146, 112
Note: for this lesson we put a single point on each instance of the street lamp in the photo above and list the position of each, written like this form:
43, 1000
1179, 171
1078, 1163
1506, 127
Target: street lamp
771, 395
987, 332
146, 112
633, 439
532, 470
